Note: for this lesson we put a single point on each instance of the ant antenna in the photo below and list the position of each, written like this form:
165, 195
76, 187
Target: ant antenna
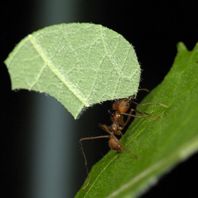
143, 89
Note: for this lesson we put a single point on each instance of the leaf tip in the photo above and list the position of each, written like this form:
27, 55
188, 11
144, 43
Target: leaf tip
181, 47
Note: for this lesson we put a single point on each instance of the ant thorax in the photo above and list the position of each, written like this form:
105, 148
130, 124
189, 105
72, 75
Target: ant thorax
116, 129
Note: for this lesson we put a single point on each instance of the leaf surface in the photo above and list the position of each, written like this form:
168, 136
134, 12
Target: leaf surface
157, 143
79, 64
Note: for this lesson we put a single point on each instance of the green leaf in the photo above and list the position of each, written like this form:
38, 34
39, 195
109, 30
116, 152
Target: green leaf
156, 143
78, 64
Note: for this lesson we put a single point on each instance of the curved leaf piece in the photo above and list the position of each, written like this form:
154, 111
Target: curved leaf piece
157, 143
79, 64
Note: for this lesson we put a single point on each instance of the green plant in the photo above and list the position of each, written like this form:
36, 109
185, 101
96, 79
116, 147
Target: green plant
160, 141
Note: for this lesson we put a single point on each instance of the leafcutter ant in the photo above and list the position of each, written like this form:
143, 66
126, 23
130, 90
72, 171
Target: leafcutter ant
122, 113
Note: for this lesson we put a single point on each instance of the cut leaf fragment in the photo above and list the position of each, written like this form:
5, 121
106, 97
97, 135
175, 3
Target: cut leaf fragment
160, 141
79, 64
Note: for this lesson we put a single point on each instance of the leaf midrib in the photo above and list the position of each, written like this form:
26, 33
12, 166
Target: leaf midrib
55, 71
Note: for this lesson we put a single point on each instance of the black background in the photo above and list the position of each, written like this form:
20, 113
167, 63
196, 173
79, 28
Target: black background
153, 27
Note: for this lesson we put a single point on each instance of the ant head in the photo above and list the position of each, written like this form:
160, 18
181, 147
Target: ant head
122, 106
114, 144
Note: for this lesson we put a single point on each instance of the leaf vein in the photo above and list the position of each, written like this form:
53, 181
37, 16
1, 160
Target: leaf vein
55, 71
96, 179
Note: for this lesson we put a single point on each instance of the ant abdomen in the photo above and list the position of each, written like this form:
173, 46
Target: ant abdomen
114, 144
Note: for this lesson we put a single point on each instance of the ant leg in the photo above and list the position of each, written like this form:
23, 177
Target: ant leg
145, 114
137, 116
129, 115
143, 89
134, 102
142, 113
82, 149
150, 103
94, 138
105, 128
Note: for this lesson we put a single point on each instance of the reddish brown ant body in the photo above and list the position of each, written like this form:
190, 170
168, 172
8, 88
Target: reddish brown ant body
121, 108
121, 116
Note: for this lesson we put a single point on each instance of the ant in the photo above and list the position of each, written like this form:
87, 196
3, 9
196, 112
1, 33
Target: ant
120, 118
121, 108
